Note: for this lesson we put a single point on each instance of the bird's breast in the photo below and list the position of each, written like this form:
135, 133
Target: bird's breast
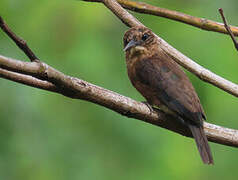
147, 91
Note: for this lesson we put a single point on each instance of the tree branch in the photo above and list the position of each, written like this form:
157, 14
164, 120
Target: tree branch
19, 41
40, 75
27, 80
202, 23
228, 29
76, 88
123, 15
177, 56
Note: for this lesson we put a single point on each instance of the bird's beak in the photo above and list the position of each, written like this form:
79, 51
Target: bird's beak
131, 44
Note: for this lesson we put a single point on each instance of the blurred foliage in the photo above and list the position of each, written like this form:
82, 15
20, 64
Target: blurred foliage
48, 136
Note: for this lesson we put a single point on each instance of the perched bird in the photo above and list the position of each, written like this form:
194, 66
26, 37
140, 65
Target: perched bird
164, 84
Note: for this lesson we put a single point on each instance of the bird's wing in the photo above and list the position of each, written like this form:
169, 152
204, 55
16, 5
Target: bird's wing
174, 89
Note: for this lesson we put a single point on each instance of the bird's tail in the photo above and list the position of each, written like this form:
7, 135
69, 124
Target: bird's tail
202, 143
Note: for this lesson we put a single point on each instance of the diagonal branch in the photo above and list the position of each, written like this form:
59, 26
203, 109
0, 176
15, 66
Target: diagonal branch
202, 23
43, 76
228, 29
123, 15
19, 41
180, 58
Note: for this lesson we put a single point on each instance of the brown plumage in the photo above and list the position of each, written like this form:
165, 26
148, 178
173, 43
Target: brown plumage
164, 84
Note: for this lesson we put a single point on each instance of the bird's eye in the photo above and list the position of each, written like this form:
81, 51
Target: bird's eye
145, 36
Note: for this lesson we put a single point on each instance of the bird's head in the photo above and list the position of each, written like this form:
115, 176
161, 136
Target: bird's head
139, 40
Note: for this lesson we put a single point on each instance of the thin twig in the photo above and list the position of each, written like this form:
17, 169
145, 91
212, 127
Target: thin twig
202, 23
19, 41
28, 80
77, 88
228, 29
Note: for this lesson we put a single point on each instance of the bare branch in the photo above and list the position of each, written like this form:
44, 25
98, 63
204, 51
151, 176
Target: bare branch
124, 16
19, 42
180, 58
27, 80
40, 75
199, 71
77, 88
202, 23
228, 29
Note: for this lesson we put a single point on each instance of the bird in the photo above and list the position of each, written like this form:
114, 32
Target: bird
163, 84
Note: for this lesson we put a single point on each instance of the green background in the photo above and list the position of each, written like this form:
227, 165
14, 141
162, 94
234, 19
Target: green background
48, 136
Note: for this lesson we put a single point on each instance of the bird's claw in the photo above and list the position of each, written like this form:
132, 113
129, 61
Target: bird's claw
148, 105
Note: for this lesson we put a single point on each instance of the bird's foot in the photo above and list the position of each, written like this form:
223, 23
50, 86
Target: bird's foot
148, 105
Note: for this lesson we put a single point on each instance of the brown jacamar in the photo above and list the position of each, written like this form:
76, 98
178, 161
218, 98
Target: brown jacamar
164, 84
